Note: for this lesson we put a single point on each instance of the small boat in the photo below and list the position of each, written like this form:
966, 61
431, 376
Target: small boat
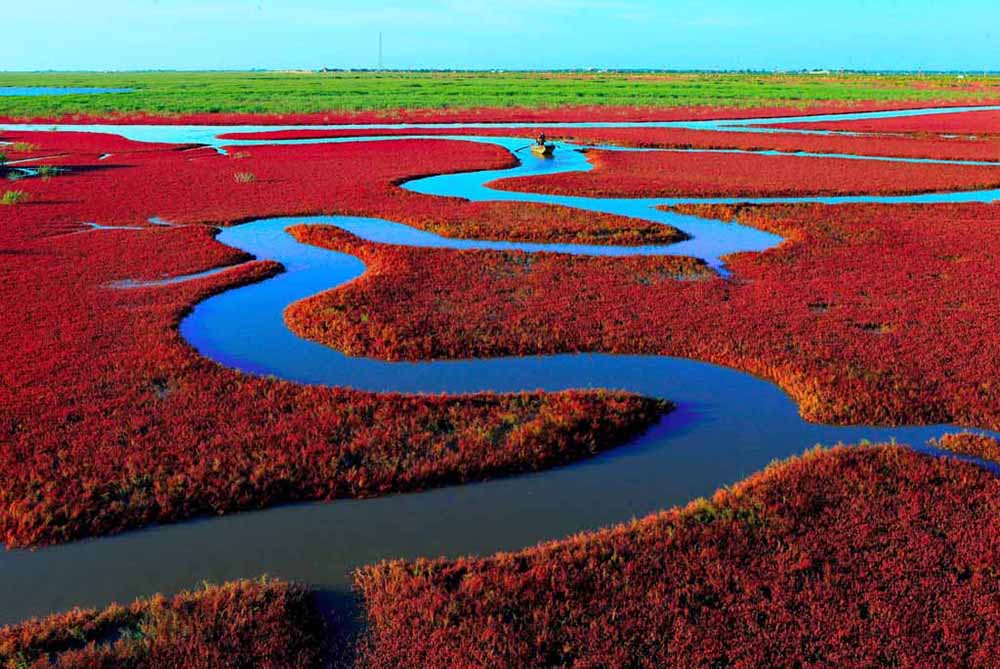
545, 150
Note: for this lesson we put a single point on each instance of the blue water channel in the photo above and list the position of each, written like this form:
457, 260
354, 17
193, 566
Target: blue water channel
728, 424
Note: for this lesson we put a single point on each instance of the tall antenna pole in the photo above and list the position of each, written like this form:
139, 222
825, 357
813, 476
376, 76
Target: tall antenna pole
380, 51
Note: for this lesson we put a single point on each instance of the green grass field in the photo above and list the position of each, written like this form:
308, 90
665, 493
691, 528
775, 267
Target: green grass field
293, 92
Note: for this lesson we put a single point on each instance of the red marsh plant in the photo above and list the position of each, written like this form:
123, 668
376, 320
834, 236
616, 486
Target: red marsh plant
677, 174
854, 557
985, 123
139, 180
975, 445
265, 623
961, 147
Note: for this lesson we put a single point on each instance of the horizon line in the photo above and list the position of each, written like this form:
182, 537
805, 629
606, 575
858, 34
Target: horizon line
502, 70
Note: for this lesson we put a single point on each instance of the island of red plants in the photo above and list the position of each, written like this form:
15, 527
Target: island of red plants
665, 174
974, 445
971, 125
473, 304
533, 222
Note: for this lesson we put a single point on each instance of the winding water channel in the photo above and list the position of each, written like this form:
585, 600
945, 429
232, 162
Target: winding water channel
728, 424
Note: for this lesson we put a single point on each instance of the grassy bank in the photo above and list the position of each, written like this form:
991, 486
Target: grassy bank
305, 92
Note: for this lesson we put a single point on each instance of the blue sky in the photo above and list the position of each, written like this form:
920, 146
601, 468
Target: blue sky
509, 34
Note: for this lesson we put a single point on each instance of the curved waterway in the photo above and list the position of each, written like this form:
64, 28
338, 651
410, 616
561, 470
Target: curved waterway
728, 424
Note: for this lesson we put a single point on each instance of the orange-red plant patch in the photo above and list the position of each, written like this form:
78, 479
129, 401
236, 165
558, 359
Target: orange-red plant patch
267, 624
976, 445
139, 180
531, 222
972, 123
923, 146
675, 174
855, 557
468, 304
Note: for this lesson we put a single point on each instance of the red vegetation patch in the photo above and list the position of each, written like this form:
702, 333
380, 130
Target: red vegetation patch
855, 558
140, 180
532, 222
265, 624
964, 123
331, 133
198, 186
417, 303
867, 314
109, 420
84, 142
675, 174
957, 148
975, 445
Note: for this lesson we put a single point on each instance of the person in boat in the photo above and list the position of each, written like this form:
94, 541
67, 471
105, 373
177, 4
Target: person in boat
541, 140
